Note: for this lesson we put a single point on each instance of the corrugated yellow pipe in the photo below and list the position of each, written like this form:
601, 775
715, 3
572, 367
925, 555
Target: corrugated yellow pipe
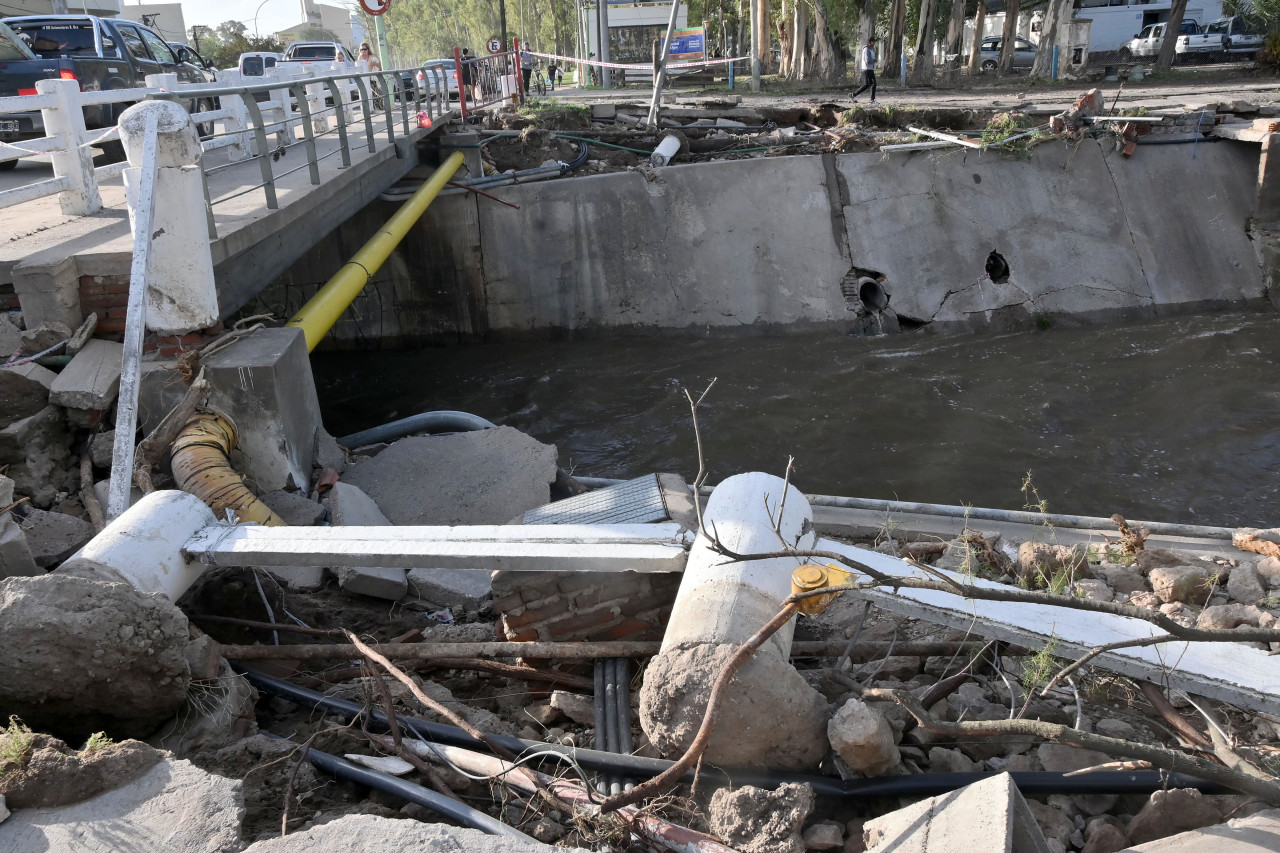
317, 317
200, 460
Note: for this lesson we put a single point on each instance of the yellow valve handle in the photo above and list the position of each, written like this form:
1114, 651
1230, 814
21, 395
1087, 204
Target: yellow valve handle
810, 577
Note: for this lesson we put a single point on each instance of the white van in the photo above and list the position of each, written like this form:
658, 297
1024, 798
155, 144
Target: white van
256, 64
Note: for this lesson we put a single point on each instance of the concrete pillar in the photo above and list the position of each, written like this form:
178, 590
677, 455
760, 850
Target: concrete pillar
1266, 200
771, 716
238, 121
66, 122
316, 93
181, 294
263, 382
144, 544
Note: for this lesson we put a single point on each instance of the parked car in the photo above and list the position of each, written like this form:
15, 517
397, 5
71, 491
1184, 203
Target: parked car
1243, 37
1024, 53
188, 54
307, 52
102, 54
428, 78
1192, 44
256, 64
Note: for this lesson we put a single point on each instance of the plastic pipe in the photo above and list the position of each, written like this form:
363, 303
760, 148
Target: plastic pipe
442, 421
322, 311
144, 543
924, 785
667, 148
201, 466
611, 715
437, 802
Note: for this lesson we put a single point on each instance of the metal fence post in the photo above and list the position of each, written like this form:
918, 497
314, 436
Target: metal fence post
308, 134
72, 162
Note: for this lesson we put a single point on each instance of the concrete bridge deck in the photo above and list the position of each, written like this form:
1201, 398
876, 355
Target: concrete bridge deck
46, 256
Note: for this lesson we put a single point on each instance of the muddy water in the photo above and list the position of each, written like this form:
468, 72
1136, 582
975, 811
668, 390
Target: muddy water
1171, 420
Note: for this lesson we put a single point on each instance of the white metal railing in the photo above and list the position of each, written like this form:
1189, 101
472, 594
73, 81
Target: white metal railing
364, 102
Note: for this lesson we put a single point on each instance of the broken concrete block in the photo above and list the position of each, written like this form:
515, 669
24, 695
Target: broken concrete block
1042, 560
580, 709
486, 477
1102, 836
1245, 585
15, 554
299, 578
756, 820
6, 491
4, 811
1257, 832
1269, 571
350, 506
44, 336
1188, 584
990, 815
54, 536
388, 583
10, 337
604, 110
92, 380
370, 834
328, 453
37, 451
101, 447
863, 738
263, 382
1170, 812
21, 395
119, 664
174, 806
160, 388
467, 587
295, 508
826, 835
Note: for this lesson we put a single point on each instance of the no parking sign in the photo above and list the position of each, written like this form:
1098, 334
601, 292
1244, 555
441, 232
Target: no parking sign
495, 45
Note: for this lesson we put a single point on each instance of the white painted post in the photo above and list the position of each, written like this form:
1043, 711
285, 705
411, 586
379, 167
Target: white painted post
181, 294
66, 123
344, 87
280, 113
238, 122
315, 101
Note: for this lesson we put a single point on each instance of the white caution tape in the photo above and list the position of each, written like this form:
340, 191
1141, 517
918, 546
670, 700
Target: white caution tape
109, 133
641, 66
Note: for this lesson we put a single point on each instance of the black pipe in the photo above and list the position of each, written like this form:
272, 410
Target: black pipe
602, 726
425, 797
924, 785
1180, 141
611, 715
622, 677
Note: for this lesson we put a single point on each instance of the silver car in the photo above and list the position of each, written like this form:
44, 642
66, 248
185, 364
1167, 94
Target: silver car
1024, 53
429, 77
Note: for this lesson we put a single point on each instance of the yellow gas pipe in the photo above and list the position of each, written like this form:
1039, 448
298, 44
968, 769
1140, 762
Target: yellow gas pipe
320, 313
199, 457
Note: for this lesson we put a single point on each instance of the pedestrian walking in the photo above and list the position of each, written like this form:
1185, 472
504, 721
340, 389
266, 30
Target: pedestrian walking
469, 76
526, 67
552, 70
868, 70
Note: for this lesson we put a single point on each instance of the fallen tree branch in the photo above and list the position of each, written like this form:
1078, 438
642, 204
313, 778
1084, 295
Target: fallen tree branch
87, 495
1088, 656
1167, 759
1171, 716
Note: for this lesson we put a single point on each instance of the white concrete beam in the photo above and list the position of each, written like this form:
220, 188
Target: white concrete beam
1230, 672
558, 547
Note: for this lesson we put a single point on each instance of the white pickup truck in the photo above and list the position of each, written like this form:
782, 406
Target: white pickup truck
1192, 44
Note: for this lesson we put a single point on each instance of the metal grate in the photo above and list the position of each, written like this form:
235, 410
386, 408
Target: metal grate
633, 502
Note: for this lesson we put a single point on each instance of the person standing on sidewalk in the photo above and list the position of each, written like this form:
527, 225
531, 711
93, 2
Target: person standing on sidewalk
526, 68
868, 70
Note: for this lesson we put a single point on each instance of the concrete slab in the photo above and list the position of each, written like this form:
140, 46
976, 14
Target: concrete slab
990, 815
37, 451
349, 506
1253, 834
299, 578
92, 379
263, 383
175, 806
6, 491
1229, 672
15, 554
159, 390
374, 581
467, 587
10, 337
21, 396
54, 536
295, 508
485, 477
369, 834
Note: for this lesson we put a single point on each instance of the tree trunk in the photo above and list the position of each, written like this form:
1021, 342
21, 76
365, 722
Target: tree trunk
764, 36
800, 52
922, 68
1008, 35
975, 51
1176, 10
828, 59
892, 55
785, 25
955, 34
1058, 13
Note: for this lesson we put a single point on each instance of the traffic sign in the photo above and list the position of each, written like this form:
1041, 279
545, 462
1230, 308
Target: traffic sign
495, 45
375, 7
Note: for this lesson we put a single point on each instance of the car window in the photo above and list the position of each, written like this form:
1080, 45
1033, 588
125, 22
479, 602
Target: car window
12, 47
251, 65
134, 44
269, 61
991, 44
159, 49
1218, 27
49, 40
314, 52
1023, 44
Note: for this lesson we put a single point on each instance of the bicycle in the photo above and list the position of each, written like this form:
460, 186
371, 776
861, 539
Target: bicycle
538, 83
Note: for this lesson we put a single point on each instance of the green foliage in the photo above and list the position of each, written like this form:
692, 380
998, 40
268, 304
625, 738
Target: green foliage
1042, 320
1039, 668
555, 115
15, 744
229, 39
97, 742
1269, 56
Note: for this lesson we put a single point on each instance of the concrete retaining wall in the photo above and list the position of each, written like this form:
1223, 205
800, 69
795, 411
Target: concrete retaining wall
769, 243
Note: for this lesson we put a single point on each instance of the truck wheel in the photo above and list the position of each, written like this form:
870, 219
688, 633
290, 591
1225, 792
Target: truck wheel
205, 129
8, 165
1125, 54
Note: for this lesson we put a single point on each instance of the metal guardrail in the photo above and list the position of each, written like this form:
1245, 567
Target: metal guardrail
374, 101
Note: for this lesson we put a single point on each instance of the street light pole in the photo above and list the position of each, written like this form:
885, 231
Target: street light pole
256, 34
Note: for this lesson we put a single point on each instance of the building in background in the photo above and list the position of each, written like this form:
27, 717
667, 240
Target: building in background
335, 19
101, 8
164, 18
